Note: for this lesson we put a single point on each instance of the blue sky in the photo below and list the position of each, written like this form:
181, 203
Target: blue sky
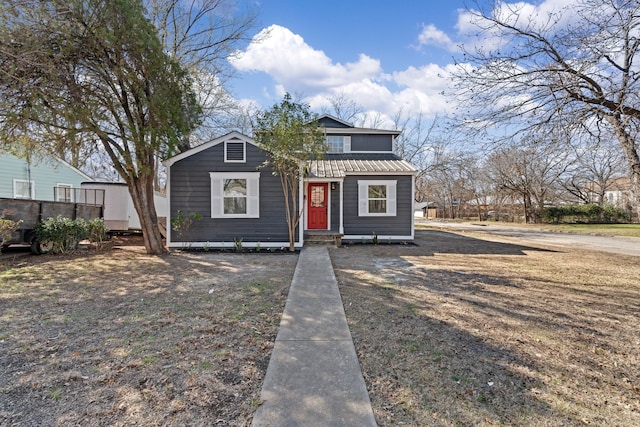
382, 29
385, 55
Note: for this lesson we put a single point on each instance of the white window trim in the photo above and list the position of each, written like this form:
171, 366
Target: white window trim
363, 197
63, 185
346, 144
217, 194
244, 152
32, 189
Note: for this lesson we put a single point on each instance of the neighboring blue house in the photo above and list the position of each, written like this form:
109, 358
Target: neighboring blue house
359, 189
41, 178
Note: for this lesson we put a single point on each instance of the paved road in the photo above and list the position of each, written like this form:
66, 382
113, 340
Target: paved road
617, 245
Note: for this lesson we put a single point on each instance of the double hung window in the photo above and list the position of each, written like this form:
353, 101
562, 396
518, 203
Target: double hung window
377, 198
235, 194
23, 189
338, 144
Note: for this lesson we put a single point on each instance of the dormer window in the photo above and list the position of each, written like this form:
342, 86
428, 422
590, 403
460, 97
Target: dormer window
338, 144
234, 152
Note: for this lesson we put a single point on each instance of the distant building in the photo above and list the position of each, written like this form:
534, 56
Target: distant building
618, 193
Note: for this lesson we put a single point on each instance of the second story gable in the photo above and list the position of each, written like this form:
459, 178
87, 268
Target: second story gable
342, 137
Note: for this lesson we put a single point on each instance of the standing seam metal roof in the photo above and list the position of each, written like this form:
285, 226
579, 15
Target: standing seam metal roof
339, 168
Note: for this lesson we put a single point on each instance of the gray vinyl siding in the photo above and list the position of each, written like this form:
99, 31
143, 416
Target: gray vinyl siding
335, 207
330, 123
399, 225
191, 192
372, 143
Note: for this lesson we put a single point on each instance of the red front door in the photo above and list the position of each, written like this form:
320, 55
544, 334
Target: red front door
317, 206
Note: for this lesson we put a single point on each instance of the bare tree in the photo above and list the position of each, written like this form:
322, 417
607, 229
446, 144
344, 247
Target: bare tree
290, 134
202, 35
598, 163
346, 109
422, 143
530, 171
578, 63
100, 70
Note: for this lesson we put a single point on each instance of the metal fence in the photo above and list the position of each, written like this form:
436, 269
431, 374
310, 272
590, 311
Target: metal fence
85, 196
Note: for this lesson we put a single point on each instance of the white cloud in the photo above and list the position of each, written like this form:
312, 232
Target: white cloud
424, 88
298, 68
287, 58
477, 32
432, 36
523, 13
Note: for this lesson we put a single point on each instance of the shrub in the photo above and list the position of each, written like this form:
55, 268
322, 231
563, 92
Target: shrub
237, 244
62, 235
588, 213
7, 228
182, 223
97, 231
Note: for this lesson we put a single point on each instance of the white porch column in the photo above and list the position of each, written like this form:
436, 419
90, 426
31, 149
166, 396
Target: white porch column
341, 229
301, 206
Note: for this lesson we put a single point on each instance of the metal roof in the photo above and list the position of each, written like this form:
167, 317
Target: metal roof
338, 166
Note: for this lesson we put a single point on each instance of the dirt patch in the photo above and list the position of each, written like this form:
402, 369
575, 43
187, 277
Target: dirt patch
469, 330
121, 338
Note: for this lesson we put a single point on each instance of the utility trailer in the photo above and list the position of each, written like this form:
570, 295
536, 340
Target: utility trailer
119, 213
32, 212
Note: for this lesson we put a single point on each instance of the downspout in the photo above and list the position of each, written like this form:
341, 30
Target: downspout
341, 229
29, 176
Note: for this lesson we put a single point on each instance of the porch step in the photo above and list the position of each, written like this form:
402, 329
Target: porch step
323, 239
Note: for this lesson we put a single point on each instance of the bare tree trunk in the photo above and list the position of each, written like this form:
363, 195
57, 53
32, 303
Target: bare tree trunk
294, 211
291, 208
528, 209
633, 160
635, 187
141, 189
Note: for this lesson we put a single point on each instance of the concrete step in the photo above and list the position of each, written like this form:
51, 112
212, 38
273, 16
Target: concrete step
323, 239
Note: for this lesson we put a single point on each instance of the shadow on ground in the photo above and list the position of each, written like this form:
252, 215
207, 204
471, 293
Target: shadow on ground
123, 338
449, 340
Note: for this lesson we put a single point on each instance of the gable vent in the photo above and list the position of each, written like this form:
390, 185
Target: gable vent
234, 152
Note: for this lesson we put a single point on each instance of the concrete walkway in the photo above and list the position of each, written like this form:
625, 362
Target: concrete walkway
314, 377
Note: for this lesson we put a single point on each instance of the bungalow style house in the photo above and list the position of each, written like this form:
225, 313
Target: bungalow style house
359, 189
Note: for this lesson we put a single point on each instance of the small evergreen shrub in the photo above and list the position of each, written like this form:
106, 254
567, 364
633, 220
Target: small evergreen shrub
97, 231
182, 223
62, 235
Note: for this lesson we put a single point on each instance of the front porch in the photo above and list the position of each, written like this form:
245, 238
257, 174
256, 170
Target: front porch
323, 201
322, 238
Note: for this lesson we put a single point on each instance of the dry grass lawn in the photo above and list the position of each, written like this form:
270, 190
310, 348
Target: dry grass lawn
456, 331
122, 338
461, 331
